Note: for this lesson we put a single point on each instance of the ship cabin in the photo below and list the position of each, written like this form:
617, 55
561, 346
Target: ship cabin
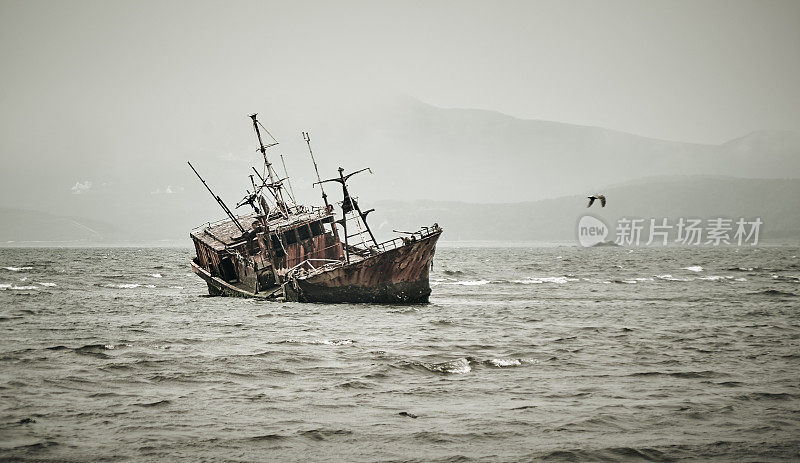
259, 259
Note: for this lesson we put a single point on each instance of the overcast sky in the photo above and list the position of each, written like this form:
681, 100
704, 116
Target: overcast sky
699, 71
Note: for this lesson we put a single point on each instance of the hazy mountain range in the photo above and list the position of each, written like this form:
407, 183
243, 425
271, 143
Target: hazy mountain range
774, 201
522, 174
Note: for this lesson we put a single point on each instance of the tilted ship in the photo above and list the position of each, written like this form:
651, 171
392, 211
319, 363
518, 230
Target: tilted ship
282, 250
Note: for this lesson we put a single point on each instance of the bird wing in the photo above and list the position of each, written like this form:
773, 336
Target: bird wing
591, 201
602, 201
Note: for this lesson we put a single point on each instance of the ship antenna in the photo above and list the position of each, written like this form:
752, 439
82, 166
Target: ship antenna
289, 181
307, 138
279, 196
219, 200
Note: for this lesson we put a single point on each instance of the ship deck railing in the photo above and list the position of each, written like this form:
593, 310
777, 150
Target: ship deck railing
395, 243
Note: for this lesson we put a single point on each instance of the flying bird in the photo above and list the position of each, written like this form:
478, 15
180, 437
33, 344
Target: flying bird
600, 197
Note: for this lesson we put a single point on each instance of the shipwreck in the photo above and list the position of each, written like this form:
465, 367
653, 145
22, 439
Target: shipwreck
286, 251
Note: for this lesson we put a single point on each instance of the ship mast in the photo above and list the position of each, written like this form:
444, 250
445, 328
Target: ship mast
307, 138
274, 186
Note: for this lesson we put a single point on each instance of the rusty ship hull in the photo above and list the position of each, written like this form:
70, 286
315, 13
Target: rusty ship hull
399, 275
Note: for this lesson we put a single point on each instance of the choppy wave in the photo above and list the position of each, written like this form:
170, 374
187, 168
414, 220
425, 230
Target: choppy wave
510, 362
681, 374
791, 278
127, 285
546, 360
470, 282
465, 365
720, 278
159, 403
326, 342
540, 280
773, 292
451, 367
456, 367
18, 269
561, 280
669, 277
5, 286
453, 272
607, 454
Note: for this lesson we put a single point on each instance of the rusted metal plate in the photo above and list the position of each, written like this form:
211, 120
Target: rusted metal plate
397, 275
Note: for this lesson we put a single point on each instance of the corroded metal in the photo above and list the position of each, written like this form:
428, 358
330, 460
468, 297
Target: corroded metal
397, 275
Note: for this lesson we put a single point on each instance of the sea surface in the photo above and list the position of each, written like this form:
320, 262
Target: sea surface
525, 353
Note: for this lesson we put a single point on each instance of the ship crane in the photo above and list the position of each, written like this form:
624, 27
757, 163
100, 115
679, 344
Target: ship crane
350, 204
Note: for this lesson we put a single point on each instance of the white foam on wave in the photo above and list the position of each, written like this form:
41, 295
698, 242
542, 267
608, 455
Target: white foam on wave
511, 362
324, 342
122, 285
155, 275
693, 268
470, 283
4, 287
505, 362
18, 269
715, 278
176, 287
114, 346
536, 281
49, 285
596, 280
334, 342
127, 285
456, 367
669, 277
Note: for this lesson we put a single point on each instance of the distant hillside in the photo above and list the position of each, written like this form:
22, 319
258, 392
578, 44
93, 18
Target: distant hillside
420, 151
777, 202
21, 227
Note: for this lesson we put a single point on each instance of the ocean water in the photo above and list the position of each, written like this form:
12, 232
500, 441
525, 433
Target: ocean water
524, 353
